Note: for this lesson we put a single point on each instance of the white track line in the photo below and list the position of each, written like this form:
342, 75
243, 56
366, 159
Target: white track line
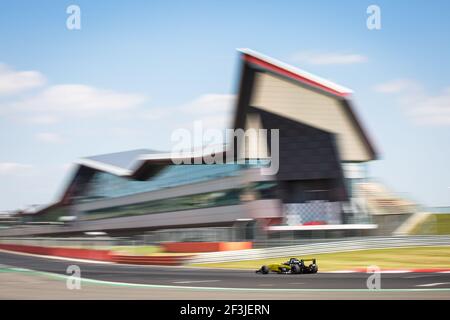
195, 281
432, 284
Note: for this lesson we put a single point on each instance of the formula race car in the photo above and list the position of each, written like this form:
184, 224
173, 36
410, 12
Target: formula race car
294, 265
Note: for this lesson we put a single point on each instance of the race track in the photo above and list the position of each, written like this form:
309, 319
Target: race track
227, 279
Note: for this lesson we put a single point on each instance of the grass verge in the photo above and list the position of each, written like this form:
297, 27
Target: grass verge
144, 251
435, 224
393, 258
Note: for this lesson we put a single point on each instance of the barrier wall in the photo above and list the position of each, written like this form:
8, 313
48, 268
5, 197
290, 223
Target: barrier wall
97, 255
151, 260
76, 253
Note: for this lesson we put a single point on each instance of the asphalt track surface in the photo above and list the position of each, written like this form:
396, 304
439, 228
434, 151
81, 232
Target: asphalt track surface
226, 279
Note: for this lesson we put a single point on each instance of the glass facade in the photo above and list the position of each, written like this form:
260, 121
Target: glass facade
256, 191
50, 215
196, 201
106, 185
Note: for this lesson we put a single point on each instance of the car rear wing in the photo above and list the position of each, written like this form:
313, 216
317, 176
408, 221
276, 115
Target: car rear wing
313, 260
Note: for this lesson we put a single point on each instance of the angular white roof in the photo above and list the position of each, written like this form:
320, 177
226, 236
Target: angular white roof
309, 77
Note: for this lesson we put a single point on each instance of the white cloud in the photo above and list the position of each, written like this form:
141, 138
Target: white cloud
42, 119
12, 82
397, 86
213, 110
13, 168
432, 110
209, 104
155, 113
78, 100
423, 108
329, 58
49, 137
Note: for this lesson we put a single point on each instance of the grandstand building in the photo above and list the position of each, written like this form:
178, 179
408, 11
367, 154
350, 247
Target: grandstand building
323, 152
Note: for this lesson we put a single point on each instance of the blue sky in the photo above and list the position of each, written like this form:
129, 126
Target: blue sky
139, 69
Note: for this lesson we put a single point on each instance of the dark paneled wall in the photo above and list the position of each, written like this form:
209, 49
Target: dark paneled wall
309, 160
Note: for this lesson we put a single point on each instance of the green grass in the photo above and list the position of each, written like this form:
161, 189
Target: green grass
137, 250
396, 258
144, 251
434, 224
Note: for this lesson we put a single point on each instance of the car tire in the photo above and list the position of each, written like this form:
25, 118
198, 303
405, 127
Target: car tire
295, 269
264, 269
313, 268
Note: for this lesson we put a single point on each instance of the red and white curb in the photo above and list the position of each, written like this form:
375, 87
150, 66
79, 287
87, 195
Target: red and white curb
423, 270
